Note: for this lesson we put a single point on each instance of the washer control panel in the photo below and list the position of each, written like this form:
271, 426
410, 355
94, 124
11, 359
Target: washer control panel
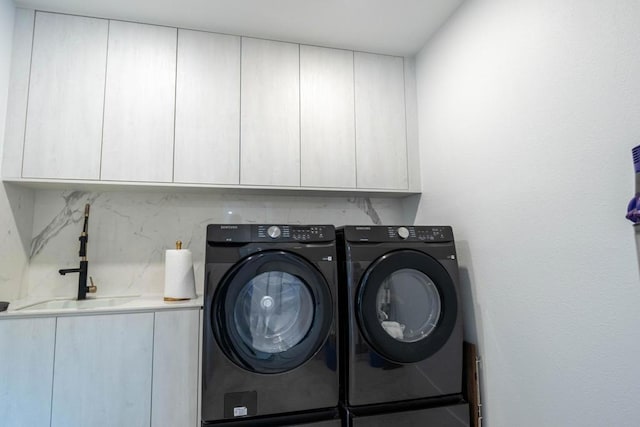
246, 233
274, 232
403, 232
379, 233
297, 233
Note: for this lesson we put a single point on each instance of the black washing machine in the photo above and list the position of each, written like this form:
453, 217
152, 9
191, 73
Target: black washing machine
400, 314
270, 316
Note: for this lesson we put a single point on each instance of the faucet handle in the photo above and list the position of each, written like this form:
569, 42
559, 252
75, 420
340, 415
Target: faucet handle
93, 288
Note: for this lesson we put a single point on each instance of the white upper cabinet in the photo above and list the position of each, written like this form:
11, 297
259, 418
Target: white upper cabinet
270, 117
207, 146
13, 147
327, 143
66, 94
381, 145
101, 100
139, 103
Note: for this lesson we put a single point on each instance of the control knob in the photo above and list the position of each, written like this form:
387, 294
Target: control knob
273, 232
403, 233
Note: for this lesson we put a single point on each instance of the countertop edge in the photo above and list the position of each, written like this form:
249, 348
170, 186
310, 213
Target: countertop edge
142, 303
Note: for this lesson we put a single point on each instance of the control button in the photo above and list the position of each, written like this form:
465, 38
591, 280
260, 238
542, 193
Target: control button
403, 232
273, 232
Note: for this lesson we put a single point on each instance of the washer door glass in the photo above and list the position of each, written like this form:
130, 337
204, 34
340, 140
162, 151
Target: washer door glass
408, 304
274, 312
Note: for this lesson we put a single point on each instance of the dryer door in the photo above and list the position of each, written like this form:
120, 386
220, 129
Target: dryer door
406, 306
272, 312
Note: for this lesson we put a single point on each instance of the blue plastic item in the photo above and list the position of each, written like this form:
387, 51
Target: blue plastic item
633, 208
636, 159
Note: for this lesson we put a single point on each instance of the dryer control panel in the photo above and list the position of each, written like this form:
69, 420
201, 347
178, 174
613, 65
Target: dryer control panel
398, 233
248, 233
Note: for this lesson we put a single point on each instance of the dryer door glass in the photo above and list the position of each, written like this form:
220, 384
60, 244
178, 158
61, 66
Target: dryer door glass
408, 304
272, 312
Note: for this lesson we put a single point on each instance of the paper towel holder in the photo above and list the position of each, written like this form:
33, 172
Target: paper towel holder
184, 289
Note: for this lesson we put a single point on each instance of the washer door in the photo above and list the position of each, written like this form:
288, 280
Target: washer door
272, 312
406, 306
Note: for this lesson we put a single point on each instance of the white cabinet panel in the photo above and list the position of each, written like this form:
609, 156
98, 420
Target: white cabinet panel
270, 113
18, 94
139, 103
66, 95
327, 144
103, 371
26, 371
381, 149
175, 368
411, 111
207, 146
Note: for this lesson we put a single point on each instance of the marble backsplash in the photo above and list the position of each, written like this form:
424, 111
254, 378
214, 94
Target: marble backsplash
16, 211
130, 231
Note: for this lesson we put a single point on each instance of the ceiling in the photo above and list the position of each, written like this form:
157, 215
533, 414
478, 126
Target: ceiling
396, 27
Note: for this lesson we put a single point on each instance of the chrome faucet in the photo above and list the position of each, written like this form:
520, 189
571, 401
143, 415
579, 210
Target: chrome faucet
84, 264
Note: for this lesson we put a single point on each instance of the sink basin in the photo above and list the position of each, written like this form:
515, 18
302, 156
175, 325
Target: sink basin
70, 304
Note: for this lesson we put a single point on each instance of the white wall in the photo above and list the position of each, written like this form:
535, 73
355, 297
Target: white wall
15, 204
528, 110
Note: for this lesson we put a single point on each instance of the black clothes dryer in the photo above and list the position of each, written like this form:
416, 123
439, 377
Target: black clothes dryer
327, 419
270, 316
400, 314
453, 415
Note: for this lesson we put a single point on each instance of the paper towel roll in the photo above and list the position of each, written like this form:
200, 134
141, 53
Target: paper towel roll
179, 280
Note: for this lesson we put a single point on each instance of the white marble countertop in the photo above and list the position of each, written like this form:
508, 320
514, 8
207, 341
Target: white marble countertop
47, 306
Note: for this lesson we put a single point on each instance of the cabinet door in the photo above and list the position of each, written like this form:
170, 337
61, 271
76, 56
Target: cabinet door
175, 368
207, 148
102, 371
139, 103
26, 371
17, 95
270, 116
381, 138
327, 142
66, 95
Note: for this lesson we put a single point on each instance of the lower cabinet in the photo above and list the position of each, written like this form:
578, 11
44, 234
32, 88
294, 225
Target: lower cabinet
128, 369
175, 369
26, 371
102, 371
